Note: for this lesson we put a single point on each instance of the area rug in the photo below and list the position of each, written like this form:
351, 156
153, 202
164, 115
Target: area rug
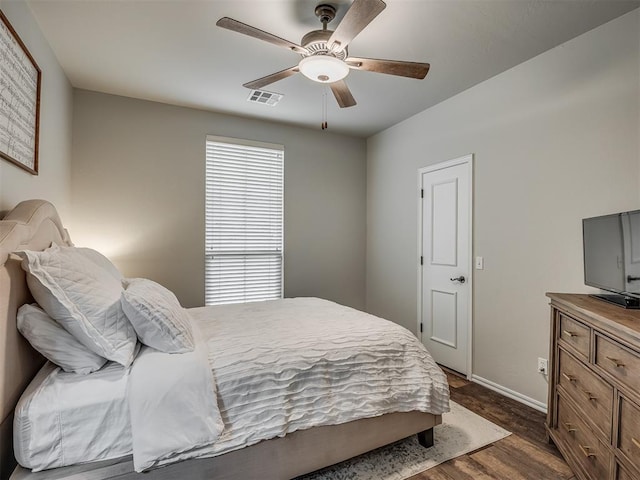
461, 431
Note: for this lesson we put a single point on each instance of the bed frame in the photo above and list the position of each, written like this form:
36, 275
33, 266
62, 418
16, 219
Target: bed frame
34, 225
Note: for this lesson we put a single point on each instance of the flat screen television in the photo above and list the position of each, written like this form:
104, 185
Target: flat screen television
611, 245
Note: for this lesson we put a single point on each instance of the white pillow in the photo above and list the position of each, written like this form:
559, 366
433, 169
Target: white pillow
55, 343
81, 290
157, 317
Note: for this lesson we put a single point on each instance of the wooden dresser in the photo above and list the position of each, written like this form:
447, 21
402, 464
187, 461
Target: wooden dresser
594, 387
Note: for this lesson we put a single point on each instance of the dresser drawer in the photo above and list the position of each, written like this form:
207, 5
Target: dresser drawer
592, 394
629, 431
621, 363
583, 444
575, 334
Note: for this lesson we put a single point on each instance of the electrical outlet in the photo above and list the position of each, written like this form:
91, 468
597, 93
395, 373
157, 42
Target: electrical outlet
543, 366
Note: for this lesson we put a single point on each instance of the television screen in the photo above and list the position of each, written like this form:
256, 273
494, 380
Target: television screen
612, 252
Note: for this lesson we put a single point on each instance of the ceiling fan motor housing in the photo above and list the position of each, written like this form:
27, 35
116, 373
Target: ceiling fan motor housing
316, 43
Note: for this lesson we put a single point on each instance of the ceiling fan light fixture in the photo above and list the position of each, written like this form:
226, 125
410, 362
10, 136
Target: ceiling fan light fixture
323, 68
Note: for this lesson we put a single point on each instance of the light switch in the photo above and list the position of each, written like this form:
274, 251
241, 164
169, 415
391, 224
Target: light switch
479, 263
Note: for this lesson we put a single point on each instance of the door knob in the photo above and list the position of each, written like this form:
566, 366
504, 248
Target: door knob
460, 279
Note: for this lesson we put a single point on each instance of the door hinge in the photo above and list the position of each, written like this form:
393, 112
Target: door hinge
422, 193
421, 328
421, 260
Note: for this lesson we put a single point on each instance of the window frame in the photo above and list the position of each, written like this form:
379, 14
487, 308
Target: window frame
237, 142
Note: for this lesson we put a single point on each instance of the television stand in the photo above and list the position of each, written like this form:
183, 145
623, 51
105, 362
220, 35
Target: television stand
620, 300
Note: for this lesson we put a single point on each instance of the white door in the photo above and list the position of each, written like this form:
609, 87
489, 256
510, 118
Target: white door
445, 266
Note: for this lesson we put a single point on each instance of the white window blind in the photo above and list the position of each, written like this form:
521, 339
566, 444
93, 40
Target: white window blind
244, 221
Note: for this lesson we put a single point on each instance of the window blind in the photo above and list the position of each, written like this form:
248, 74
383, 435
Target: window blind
244, 221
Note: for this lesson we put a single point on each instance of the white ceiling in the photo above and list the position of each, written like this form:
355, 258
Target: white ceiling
171, 51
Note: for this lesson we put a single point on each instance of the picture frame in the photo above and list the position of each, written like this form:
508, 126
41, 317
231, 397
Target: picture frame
20, 84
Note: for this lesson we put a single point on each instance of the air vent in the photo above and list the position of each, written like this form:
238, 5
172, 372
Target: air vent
265, 98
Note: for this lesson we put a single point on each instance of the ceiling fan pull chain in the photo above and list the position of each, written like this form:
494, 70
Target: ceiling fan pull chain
324, 108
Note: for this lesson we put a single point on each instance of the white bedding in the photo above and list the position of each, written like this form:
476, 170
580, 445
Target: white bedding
279, 366
65, 418
173, 405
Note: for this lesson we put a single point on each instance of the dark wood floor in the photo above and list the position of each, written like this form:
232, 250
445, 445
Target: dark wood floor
524, 455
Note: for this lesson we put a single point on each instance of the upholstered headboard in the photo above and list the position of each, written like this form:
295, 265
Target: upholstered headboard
32, 225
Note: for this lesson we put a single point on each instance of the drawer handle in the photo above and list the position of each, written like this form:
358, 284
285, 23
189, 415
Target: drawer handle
569, 333
569, 377
569, 427
590, 396
618, 363
586, 452
635, 442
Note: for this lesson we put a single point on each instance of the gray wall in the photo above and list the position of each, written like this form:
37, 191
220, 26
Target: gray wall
56, 99
555, 140
138, 195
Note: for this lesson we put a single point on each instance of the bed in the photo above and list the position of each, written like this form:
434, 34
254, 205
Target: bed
34, 225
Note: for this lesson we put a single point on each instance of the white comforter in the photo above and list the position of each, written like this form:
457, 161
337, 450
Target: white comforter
278, 367
172, 405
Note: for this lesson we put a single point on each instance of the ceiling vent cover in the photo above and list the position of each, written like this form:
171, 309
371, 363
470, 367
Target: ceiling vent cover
265, 98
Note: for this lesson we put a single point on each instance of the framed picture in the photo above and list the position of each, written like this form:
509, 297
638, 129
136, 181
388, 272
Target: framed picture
19, 100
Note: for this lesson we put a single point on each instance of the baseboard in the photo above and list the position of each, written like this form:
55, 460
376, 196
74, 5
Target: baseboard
507, 392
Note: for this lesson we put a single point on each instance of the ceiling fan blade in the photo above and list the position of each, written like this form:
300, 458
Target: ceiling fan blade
236, 26
342, 94
274, 77
359, 15
390, 67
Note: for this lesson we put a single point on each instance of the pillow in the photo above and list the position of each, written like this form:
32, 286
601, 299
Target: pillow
55, 343
157, 317
81, 289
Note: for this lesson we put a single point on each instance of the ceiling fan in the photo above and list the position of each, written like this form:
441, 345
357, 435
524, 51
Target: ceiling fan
325, 57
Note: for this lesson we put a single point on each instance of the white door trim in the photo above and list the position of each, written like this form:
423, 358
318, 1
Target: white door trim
468, 160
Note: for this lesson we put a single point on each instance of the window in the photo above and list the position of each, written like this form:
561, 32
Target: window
244, 221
